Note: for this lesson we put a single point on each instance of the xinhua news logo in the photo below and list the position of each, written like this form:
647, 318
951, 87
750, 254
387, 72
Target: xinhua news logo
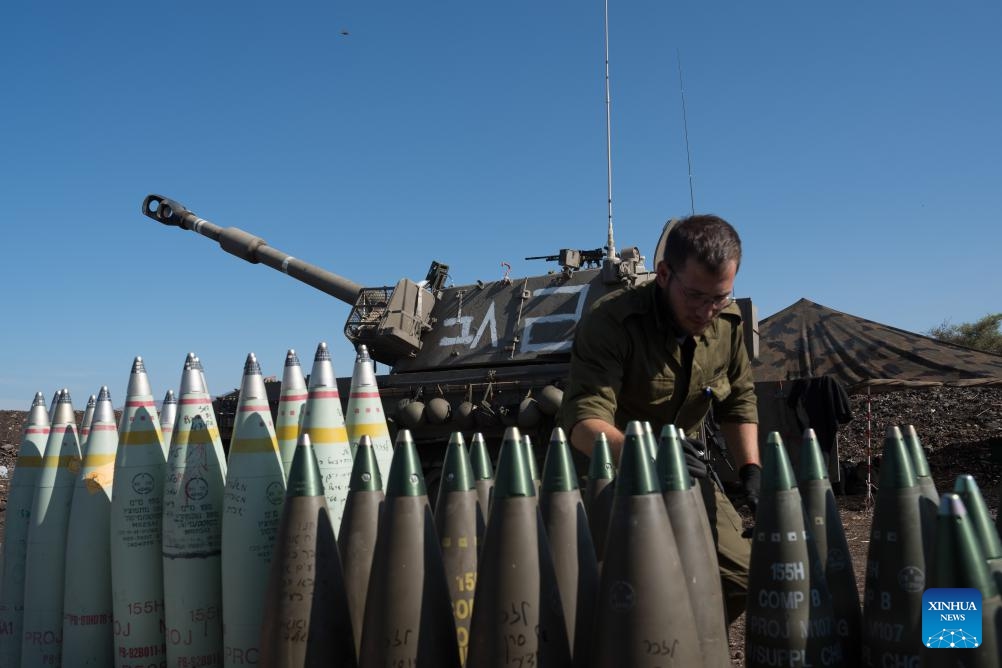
951, 618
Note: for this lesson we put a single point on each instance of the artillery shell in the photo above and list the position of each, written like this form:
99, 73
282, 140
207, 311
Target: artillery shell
408, 620
306, 619
483, 474
641, 573
168, 414
365, 412
458, 522
824, 523
137, 585
570, 541
252, 508
46, 550
599, 492
789, 616
359, 528
981, 522
324, 422
15, 541
959, 562
696, 549
517, 614
895, 564
87, 611
530, 458
86, 421
291, 404
192, 528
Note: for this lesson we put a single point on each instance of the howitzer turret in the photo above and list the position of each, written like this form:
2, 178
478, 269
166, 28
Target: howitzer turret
497, 352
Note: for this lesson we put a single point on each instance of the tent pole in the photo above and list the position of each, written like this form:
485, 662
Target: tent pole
869, 451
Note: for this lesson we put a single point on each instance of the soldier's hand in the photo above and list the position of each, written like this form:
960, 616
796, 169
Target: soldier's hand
751, 480
694, 452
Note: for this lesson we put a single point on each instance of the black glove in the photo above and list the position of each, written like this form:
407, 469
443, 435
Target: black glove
694, 452
751, 480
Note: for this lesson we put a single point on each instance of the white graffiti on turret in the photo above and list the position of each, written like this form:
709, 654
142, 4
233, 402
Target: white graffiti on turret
553, 346
465, 337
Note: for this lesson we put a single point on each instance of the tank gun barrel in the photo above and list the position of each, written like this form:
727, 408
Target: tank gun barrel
251, 248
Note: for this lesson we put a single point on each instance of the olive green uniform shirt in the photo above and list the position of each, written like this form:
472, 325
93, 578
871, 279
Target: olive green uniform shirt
626, 364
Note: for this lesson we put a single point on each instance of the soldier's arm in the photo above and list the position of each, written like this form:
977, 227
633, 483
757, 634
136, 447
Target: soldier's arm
742, 441
587, 430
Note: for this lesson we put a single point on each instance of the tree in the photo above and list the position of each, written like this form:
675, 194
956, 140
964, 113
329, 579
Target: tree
984, 334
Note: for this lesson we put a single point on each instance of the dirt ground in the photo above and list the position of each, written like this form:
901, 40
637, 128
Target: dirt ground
961, 429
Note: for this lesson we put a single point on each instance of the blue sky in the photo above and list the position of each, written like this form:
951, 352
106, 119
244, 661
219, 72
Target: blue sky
855, 146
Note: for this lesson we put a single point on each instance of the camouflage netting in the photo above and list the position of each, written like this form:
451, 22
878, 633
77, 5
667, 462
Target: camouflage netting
808, 340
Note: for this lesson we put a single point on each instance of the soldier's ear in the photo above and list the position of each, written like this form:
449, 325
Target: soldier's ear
662, 273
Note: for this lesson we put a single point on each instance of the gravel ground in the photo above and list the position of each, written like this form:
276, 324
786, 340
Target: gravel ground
961, 429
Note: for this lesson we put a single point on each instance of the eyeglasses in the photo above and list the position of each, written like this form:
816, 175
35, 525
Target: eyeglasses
701, 299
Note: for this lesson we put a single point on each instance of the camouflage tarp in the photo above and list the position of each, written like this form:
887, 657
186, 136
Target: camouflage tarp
808, 339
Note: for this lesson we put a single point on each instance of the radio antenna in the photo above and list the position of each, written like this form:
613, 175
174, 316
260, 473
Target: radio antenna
611, 243
685, 130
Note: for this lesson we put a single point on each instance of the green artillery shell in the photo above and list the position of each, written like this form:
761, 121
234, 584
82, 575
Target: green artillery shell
252, 508
408, 620
895, 564
530, 458
458, 522
599, 493
789, 616
291, 404
306, 620
574, 559
192, 529
644, 617
981, 523
359, 527
15, 541
41, 643
696, 549
483, 474
517, 614
87, 615
324, 422
365, 415
88, 419
959, 562
137, 584
833, 550
923, 476
651, 440
168, 414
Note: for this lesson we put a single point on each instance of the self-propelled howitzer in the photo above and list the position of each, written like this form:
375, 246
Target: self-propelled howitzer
470, 357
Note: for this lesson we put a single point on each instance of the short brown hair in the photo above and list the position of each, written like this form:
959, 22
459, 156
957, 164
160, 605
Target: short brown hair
706, 238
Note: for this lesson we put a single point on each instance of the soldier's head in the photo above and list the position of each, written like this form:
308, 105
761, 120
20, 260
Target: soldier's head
696, 274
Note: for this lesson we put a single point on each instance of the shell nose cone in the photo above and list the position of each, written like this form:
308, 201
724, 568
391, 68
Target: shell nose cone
777, 473
406, 477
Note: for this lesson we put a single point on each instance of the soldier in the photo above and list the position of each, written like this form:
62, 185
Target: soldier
665, 352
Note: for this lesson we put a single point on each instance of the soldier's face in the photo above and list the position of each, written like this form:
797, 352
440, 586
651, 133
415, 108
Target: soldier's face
694, 294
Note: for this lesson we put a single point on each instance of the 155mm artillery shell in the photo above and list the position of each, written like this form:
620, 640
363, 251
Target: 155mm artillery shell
408, 620
359, 529
644, 617
981, 523
789, 616
46, 552
15, 538
306, 620
365, 415
483, 474
192, 529
137, 586
696, 549
252, 508
517, 614
88, 639
599, 492
574, 559
168, 414
458, 522
824, 523
324, 422
291, 404
895, 564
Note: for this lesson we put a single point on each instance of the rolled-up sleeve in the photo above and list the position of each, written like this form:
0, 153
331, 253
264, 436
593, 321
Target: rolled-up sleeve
741, 405
598, 355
